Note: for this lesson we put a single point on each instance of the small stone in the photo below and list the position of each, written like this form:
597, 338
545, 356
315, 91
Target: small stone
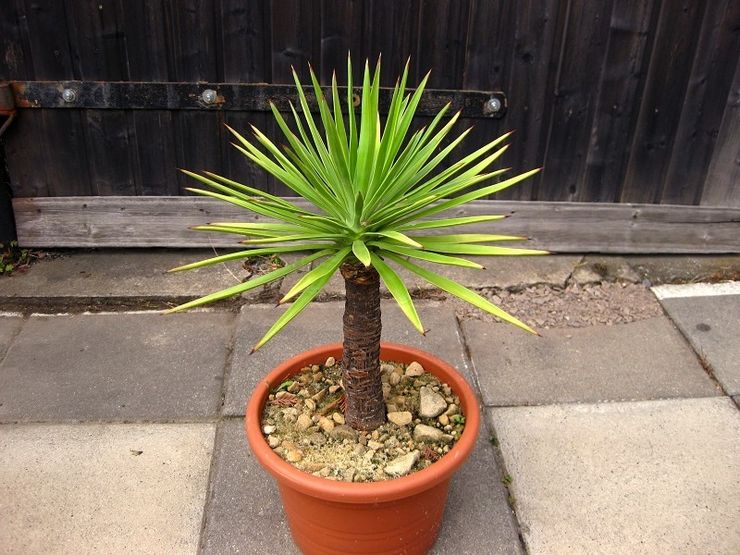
387, 368
369, 455
320, 395
443, 419
343, 432
304, 422
281, 393
310, 404
338, 418
273, 441
402, 465
294, 387
425, 433
303, 393
386, 390
326, 424
452, 409
318, 376
447, 438
294, 456
414, 369
324, 472
372, 444
400, 418
394, 379
334, 388
390, 407
349, 475
268, 429
431, 403
317, 439
315, 367
331, 361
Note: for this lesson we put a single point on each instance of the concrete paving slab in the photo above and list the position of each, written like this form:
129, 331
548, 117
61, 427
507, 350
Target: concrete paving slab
683, 268
321, 323
9, 327
477, 518
243, 512
115, 367
711, 325
126, 273
642, 477
647, 359
510, 272
103, 488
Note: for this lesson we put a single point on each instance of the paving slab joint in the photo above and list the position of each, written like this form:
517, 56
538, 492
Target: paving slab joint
488, 429
209, 486
229, 361
16, 333
701, 357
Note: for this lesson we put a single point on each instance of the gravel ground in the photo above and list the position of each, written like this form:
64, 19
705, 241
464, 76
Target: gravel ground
576, 306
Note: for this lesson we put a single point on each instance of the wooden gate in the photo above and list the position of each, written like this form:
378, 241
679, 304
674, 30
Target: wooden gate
633, 102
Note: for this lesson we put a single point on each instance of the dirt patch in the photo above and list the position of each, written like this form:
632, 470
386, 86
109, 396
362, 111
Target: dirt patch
576, 306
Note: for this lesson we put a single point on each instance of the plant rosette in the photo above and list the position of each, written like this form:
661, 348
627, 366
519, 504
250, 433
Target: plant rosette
400, 515
374, 198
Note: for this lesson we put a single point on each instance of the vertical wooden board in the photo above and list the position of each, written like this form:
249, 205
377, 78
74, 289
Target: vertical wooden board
96, 42
578, 75
245, 41
630, 37
57, 134
392, 29
342, 26
98, 53
490, 38
717, 54
151, 147
296, 40
722, 185
538, 27
15, 59
191, 40
153, 144
678, 29
443, 29
27, 165
143, 28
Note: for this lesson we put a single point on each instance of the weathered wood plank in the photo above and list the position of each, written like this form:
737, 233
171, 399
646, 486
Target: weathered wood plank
722, 186
677, 34
709, 84
625, 65
560, 227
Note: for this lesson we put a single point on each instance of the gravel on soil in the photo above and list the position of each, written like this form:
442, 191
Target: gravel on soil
303, 423
575, 306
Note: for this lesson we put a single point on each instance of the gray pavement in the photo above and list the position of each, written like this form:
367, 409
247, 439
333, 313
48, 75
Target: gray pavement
122, 432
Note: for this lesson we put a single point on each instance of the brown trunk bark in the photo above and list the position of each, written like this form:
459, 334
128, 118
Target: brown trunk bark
361, 359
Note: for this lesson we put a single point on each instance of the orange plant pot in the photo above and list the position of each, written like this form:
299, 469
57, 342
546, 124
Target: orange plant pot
402, 515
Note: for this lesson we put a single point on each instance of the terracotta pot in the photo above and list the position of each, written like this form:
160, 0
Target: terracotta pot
401, 515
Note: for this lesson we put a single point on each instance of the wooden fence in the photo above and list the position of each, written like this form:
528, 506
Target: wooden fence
622, 101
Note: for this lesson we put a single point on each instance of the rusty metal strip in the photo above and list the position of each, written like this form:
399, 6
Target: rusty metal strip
104, 95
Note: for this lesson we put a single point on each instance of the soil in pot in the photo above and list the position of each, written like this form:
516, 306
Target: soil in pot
303, 424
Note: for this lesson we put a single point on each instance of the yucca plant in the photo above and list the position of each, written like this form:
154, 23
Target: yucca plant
376, 192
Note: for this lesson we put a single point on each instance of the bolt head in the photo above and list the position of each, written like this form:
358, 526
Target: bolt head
492, 106
69, 95
208, 96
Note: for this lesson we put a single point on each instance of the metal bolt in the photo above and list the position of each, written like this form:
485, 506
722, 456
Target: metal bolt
492, 106
208, 96
69, 95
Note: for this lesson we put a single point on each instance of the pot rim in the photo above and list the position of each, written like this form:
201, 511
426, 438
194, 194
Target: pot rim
350, 492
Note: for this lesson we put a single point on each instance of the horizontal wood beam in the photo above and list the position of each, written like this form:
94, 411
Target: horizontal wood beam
255, 97
558, 226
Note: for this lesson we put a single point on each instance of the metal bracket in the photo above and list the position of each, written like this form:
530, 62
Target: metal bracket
103, 95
